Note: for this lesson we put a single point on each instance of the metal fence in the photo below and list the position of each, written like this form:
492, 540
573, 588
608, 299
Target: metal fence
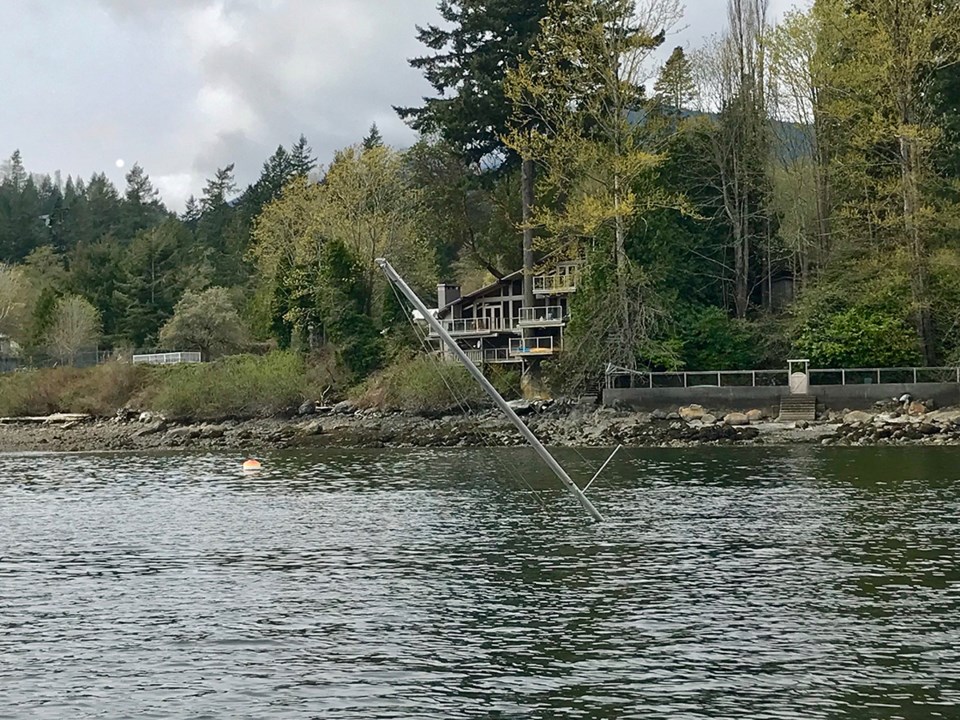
34, 362
170, 358
620, 378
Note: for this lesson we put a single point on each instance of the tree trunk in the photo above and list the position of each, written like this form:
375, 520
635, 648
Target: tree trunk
530, 381
918, 281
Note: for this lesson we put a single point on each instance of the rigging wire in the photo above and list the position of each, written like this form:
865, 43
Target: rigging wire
462, 403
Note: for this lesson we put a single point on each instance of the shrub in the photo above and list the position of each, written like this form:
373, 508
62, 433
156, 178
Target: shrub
712, 340
99, 390
859, 338
240, 386
421, 384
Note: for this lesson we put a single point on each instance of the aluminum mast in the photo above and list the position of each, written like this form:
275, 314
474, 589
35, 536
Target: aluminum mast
491, 391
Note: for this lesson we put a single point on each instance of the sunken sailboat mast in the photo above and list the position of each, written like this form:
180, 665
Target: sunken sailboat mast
458, 352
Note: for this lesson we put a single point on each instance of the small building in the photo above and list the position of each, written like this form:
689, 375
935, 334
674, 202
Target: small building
493, 325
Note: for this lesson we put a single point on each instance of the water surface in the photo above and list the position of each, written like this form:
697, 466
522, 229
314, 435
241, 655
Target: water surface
753, 583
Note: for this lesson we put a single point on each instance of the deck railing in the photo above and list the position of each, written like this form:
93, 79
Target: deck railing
532, 346
555, 283
469, 326
171, 358
546, 315
490, 355
619, 377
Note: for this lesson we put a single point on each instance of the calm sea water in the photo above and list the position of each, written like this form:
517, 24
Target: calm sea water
741, 583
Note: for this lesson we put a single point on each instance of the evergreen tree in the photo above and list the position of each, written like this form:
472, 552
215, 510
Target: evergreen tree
373, 139
674, 88
479, 41
302, 161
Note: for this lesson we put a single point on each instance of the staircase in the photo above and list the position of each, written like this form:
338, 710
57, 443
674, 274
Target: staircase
798, 407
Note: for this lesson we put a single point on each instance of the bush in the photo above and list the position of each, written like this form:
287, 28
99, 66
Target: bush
99, 390
421, 384
241, 386
859, 338
712, 340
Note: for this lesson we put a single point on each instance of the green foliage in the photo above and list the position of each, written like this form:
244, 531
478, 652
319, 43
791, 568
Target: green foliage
712, 340
420, 384
207, 321
241, 386
852, 338
478, 42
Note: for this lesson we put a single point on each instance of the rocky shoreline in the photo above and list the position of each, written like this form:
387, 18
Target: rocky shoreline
571, 426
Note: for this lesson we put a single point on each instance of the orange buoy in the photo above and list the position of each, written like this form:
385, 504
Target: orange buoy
251, 465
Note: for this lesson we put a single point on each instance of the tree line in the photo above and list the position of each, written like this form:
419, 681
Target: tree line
786, 188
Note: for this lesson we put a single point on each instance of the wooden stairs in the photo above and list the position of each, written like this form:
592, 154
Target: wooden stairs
798, 407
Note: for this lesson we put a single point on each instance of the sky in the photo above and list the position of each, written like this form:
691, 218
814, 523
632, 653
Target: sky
184, 87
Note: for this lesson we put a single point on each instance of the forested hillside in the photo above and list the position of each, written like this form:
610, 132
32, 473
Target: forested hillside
784, 189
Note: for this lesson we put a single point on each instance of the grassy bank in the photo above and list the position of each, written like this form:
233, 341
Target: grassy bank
243, 386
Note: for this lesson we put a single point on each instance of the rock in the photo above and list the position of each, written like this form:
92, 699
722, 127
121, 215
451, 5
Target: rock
309, 407
802, 424
928, 429
658, 414
916, 408
126, 414
930, 404
754, 415
344, 408
748, 433
692, 412
146, 417
736, 418
150, 429
314, 427
184, 432
210, 432
708, 419
673, 416
946, 417
857, 416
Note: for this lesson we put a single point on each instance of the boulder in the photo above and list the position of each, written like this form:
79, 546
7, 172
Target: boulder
150, 429
736, 418
754, 415
916, 408
309, 407
692, 412
673, 416
209, 432
184, 432
857, 416
947, 417
344, 408
314, 427
708, 419
928, 429
658, 414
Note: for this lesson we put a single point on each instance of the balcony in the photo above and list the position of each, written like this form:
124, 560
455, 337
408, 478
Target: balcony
520, 347
490, 355
547, 316
555, 283
461, 327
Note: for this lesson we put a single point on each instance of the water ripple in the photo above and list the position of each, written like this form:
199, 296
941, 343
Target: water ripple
430, 584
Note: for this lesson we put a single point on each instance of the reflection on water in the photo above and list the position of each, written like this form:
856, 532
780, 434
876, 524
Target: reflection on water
762, 583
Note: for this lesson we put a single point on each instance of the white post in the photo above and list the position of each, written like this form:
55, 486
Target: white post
491, 391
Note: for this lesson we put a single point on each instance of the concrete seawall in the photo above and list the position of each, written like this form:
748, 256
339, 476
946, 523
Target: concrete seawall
832, 397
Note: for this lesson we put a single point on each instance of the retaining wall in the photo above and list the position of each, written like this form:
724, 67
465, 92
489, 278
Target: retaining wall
727, 399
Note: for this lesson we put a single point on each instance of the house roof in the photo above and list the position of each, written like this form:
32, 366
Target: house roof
484, 290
